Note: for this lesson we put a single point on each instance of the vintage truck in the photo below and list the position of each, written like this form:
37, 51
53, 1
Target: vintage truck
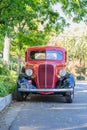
44, 73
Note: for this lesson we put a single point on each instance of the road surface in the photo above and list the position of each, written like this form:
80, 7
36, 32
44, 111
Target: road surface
47, 113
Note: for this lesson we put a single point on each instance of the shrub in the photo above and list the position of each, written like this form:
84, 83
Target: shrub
7, 81
80, 77
3, 90
4, 70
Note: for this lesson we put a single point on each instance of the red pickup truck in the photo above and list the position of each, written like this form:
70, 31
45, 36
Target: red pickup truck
45, 73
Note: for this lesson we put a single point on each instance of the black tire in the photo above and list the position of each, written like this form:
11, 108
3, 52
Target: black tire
22, 96
69, 97
19, 96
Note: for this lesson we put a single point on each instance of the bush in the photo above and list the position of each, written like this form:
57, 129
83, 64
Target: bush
7, 85
80, 77
4, 70
3, 90
7, 80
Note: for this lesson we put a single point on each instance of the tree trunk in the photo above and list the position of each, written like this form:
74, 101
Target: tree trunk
19, 64
6, 51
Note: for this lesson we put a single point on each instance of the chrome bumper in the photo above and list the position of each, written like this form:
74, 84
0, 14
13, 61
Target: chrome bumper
36, 90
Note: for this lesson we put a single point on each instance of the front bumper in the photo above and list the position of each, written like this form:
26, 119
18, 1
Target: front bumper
33, 89
45, 90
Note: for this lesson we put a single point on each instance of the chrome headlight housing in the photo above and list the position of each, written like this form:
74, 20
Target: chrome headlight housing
29, 72
62, 72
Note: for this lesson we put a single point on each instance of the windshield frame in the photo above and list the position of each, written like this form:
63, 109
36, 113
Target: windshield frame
47, 52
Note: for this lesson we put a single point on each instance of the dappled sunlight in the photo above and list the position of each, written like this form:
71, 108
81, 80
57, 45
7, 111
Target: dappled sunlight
82, 126
30, 127
82, 106
81, 82
70, 107
82, 91
81, 88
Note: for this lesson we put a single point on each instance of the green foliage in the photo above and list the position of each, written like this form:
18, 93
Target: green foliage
13, 13
1, 42
26, 39
80, 70
76, 9
31, 13
21, 20
3, 90
7, 80
80, 77
7, 85
4, 70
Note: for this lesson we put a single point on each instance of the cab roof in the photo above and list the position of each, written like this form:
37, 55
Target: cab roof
35, 48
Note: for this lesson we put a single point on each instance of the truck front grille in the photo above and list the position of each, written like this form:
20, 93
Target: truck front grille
45, 76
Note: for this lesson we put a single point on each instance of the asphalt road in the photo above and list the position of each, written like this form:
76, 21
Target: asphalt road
47, 113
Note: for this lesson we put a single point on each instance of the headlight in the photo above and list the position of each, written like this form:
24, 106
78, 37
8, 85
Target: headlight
29, 72
62, 72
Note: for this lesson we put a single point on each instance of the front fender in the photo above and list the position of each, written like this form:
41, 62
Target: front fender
66, 82
71, 80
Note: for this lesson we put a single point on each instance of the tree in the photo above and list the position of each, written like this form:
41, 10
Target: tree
74, 39
6, 50
30, 14
24, 40
1, 43
12, 13
76, 9
26, 11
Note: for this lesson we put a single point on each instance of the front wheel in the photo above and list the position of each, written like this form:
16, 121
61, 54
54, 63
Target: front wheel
19, 96
22, 96
69, 97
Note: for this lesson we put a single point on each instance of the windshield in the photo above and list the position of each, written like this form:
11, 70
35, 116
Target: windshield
48, 54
